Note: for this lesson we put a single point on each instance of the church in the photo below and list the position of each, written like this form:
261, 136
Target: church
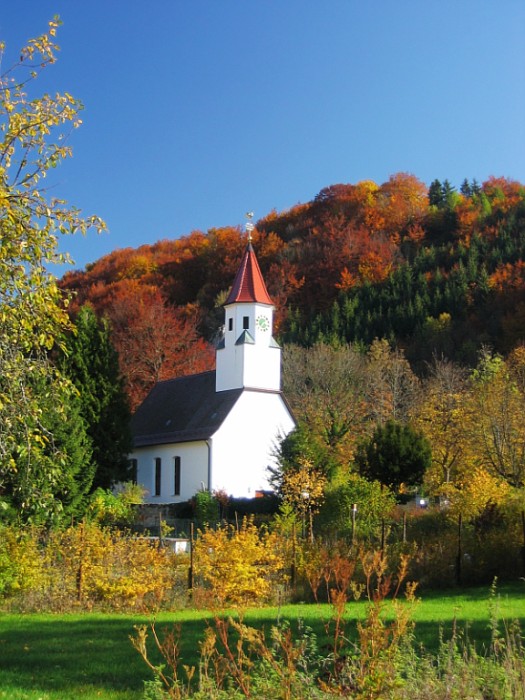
218, 430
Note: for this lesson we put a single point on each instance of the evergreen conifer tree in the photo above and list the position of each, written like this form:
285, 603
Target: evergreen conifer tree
395, 454
91, 362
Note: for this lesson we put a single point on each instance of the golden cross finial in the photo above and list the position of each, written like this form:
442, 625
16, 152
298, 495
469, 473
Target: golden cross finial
249, 226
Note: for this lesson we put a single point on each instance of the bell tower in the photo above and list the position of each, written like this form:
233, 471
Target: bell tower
248, 356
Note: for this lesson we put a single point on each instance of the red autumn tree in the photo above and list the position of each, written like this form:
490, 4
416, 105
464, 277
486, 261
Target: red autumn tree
155, 341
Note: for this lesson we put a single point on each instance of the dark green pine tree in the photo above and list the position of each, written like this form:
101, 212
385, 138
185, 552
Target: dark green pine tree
75, 454
466, 189
91, 362
448, 194
475, 187
435, 194
395, 454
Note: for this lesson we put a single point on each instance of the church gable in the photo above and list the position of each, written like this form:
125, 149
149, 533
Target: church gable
246, 443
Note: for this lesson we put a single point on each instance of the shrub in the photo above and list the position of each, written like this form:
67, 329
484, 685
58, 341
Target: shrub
373, 504
206, 508
239, 661
237, 566
101, 567
115, 509
20, 562
87, 566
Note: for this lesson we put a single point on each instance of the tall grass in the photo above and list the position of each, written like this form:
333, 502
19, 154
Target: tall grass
65, 657
381, 660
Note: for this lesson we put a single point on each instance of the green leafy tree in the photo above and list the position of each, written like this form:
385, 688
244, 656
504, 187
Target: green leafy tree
33, 140
395, 455
54, 470
301, 444
355, 507
91, 362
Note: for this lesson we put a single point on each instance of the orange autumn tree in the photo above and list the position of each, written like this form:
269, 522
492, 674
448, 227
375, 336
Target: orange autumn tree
302, 489
155, 341
401, 201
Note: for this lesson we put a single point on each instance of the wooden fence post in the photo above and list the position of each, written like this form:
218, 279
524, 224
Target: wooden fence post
458, 556
190, 570
80, 571
523, 545
293, 572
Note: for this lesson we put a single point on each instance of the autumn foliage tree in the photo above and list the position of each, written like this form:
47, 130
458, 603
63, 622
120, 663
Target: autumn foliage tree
154, 341
325, 386
463, 417
33, 140
443, 416
499, 430
303, 486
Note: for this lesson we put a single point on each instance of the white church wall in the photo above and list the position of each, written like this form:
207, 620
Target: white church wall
242, 448
193, 470
230, 368
262, 367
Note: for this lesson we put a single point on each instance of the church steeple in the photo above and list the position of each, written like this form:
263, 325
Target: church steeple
248, 285
248, 356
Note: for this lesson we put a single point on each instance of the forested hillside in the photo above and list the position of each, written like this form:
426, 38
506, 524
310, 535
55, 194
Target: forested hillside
436, 270
400, 307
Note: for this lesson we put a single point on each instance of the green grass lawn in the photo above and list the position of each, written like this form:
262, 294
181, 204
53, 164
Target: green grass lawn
65, 657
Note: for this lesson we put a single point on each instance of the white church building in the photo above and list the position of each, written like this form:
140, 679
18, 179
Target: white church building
218, 430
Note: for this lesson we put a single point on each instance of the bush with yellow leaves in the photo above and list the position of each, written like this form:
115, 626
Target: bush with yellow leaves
98, 566
88, 566
20, 563
238, 565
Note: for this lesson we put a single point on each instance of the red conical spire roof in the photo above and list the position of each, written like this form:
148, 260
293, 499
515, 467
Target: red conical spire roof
248, 285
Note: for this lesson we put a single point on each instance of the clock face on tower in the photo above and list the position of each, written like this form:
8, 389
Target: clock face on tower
262, 322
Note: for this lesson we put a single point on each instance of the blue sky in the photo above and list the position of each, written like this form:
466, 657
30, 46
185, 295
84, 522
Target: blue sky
197, 111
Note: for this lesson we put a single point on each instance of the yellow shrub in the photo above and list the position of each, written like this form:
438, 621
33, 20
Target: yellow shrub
98, 566
239, 566
20, 561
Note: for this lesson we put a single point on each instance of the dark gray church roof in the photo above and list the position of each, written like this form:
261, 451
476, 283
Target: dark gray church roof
182, 410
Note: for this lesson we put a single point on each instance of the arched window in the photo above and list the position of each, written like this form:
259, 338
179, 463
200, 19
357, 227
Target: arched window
176, 476
158, 475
